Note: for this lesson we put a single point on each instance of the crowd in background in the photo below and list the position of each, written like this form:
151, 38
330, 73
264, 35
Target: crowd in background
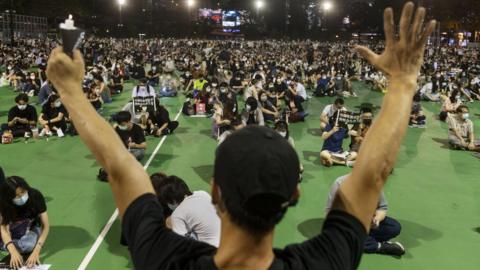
236, 84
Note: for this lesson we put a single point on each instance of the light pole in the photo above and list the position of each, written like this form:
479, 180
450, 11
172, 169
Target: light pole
121, 3
326, 7
259, 4
190, 5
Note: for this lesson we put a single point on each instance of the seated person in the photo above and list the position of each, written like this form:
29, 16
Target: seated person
21, 118
193, 215
357, 135
53, 117
333, 136
94, 98
298, 92
159, 123
282, 128
383, 228
252, 114
380, 82
116, 83
450, 104
461, 134
153, 76
143, 89
269, 111
131, 135
417, 118
45, 91
32, 85
24, 226
168, 86
430, 91
322, 85
329, 111
222, 118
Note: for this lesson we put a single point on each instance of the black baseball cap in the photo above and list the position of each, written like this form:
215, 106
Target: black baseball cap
258, 170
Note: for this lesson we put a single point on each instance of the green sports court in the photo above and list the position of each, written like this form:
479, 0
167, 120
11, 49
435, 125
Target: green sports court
434, 192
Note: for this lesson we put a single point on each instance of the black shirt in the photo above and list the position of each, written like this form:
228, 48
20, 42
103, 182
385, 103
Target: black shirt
134, 135
33, 208
153, 246
30, 113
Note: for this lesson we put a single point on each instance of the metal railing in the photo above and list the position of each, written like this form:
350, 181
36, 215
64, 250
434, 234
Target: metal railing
23, 26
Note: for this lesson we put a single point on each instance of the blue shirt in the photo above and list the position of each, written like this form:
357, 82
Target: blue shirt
334, 142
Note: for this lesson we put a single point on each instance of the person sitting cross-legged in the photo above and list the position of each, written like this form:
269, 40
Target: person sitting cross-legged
131, 135
333, 136
383, 228
461, 134
21, 118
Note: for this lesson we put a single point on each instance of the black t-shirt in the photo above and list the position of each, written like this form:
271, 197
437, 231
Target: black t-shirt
161, 116
153, 246
33, 208
30, 113
134, 135
50, 113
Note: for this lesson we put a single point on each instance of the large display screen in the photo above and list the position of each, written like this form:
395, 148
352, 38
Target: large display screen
228, 20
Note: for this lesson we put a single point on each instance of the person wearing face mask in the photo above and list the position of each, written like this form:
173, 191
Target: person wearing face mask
450, 104
32, 85
153, 76
131, 134
52, 117
21, 118
461, 135
269, 111
358, 133
24, 224
322, 85
333, 135
193, 214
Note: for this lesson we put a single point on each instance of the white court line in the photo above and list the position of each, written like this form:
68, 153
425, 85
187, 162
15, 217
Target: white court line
88, 258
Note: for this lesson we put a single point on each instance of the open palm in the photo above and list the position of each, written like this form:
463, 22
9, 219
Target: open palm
402, 57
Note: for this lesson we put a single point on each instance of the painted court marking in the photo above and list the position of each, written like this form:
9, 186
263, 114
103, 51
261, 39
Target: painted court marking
88, 258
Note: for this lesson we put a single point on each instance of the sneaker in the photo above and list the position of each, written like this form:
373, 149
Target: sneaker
391, 248
60, 133
49, 133
42, 133
350, 163
354, 94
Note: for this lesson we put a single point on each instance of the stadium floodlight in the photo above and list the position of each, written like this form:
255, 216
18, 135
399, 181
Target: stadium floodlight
190, 3
327, 5
259, 4
122, 2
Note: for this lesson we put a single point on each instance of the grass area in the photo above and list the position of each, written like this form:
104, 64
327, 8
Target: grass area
434, 192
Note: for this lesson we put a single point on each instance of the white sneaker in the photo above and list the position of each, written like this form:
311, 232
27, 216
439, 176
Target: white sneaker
42, 133
60, 133
350, 163
49, 133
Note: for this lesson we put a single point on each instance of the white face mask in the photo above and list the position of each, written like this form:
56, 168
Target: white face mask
57, 104
22, 200
248, 108
263, 99
22, 107
223, 90
258, 85
123, 127
283, 134
324, 77
214, 85
32, 77
172, 206
465, 116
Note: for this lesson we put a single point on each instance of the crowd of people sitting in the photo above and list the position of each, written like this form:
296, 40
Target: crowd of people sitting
236, 84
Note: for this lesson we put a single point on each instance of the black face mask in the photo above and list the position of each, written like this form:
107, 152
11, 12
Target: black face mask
367, 122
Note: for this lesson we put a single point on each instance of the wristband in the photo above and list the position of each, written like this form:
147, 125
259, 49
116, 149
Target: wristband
9, 243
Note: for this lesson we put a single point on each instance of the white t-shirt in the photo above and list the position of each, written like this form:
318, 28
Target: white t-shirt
301, 91
330, 110
197, 216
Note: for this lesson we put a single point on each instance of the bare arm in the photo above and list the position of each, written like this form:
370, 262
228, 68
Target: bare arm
401, 61
128, 179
